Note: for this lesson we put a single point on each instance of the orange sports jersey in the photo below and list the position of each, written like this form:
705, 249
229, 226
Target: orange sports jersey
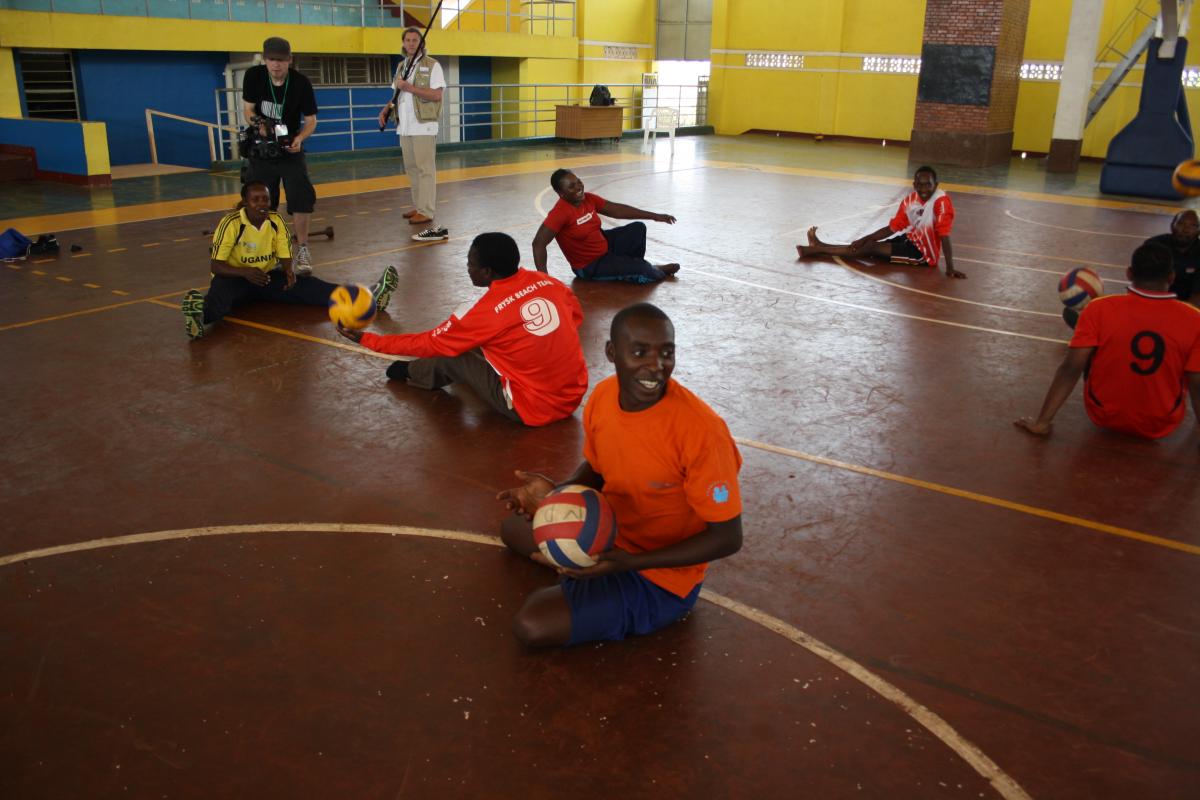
1145, 342
527, 327
668, 471
925, 233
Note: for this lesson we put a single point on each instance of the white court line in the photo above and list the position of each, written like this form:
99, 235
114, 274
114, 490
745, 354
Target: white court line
1004, 784
886, 282
1029, 269
1092, 264
829, 222
1076, 230
537, 205
875, 310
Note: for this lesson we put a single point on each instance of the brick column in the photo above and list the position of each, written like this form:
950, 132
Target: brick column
967, 92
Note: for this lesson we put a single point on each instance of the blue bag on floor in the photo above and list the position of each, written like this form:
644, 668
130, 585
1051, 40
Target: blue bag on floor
14, 244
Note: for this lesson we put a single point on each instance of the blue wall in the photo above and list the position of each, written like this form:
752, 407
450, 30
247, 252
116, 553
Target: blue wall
476, 69
116, 87
58, 144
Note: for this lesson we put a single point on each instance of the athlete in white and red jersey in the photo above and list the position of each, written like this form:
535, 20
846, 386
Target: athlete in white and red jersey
1141, 353
922, 222
528, 365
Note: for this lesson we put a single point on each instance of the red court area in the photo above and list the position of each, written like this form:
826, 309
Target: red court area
277, 574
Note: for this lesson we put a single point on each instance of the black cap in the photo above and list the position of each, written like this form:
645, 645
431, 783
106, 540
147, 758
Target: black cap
276, 47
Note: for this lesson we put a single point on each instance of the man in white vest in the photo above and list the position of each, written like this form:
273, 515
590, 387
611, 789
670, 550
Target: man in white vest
417, 103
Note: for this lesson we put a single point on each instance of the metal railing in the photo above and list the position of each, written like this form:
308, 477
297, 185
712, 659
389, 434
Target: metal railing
208, 126
348, 118
540, 17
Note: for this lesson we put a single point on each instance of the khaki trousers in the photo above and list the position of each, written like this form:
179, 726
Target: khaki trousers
419, 164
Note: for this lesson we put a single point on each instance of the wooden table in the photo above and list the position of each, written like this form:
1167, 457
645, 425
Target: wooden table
588, 122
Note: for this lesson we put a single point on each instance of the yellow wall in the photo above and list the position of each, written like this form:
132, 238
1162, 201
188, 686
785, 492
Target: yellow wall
10, 97
831, 95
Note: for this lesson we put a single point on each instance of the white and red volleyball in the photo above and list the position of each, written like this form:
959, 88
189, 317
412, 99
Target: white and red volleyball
1079, 287
573, 525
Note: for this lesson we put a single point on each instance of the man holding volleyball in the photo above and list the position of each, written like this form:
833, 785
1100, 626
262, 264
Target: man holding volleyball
668, 467
1140, 352
517, 346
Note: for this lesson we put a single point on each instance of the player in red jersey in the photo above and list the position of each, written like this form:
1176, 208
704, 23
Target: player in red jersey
1140, 352
923, 223
668, 466
616, 254
517, 346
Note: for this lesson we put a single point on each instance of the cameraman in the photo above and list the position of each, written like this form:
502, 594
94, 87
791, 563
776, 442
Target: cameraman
278, 95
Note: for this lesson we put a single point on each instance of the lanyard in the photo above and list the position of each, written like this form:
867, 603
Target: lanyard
271, 86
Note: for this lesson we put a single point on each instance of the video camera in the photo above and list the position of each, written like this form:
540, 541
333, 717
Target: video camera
252, 143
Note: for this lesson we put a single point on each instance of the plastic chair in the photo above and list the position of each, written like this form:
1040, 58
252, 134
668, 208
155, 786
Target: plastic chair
661, 119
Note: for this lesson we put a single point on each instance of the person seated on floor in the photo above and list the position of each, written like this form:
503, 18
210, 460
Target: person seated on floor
252, 260
517, 346
1139, 353
668, 466
917, 235
616, 254
1184, 243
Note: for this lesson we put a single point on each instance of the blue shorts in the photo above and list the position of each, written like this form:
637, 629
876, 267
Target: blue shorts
621, 604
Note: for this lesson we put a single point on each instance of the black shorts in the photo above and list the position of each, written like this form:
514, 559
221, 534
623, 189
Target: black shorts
905, 252
293, 171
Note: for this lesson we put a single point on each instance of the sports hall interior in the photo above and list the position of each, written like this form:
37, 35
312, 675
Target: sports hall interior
250, 566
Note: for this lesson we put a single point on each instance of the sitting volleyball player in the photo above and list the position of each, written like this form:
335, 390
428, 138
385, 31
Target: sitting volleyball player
668, 466
1138, 352
517, 346
252, 260
616, 254
916, 235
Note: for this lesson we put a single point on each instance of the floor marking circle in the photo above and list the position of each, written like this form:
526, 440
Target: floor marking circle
886, 282
1075, 230
1004, 784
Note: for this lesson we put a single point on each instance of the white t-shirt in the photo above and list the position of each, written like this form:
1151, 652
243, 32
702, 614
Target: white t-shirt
409, 125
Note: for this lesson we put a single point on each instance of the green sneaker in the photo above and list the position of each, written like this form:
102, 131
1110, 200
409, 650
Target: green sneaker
193, 314
384, 287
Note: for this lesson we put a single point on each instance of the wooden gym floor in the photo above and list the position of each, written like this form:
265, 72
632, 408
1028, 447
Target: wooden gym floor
249, 567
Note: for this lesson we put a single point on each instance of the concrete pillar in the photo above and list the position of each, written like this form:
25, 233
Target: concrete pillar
1075, 86
970, 71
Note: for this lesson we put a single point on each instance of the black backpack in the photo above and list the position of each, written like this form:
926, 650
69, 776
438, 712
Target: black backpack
601, 96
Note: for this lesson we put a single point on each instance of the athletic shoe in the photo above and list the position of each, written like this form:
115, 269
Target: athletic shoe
193, 314
302, 262
383, 288
431, 235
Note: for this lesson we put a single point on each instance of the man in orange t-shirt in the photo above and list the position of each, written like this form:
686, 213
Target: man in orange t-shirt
668, 466
1140, 352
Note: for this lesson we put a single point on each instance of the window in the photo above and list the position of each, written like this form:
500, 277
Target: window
48, 80
1038, 71
619, 51
895, 64
775, 60
344, 70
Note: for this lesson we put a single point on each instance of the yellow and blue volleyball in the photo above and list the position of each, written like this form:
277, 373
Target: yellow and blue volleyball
573, 525
1078, 288
352, 306
1186, 178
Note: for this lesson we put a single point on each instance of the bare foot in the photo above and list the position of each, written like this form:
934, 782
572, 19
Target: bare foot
669, 269
813, 241
800, 250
